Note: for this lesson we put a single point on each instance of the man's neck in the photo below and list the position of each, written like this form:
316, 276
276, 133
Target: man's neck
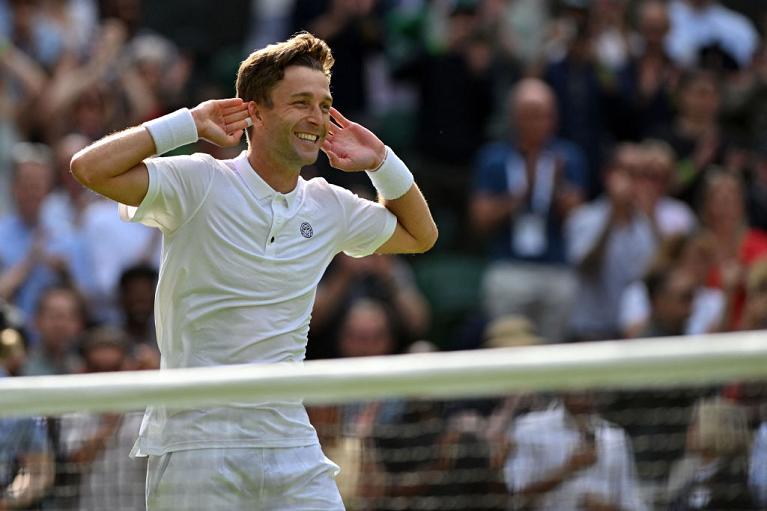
276, 174
530, 148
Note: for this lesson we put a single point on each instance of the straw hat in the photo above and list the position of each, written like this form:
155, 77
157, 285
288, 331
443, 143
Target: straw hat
509, 331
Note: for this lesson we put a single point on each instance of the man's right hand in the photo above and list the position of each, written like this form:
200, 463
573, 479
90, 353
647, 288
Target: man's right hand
583, 457
620, 190
221, 121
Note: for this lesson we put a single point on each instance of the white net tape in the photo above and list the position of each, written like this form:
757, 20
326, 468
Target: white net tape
615, 364
411, 432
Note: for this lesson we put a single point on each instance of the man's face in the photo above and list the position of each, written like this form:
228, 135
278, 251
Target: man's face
104, 358
137, 299
365, 333
295, 126
58, 320
535, 118
675, 302
31, 186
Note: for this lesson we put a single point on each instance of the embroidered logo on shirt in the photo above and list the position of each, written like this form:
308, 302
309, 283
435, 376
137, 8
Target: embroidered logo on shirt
306, 230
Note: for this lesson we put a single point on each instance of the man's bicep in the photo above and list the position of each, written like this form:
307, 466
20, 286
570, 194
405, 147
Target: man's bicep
129, 188
400, 242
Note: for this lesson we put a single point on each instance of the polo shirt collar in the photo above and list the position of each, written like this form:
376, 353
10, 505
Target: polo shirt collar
261, 188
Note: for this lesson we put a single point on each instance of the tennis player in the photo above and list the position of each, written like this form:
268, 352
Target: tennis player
245, 242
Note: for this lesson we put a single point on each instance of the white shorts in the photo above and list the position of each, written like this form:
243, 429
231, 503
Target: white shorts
288, 479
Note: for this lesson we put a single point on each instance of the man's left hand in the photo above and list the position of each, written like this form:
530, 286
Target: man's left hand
352, 147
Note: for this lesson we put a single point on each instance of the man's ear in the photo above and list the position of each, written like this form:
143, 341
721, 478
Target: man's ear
254, 110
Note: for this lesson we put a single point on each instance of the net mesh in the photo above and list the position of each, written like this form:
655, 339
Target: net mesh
692, 445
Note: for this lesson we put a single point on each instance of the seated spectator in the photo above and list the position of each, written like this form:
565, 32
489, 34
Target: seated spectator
610, 241
59, 322
95, 469
569, 458
524, 190
26, 464
713, 474
691, 253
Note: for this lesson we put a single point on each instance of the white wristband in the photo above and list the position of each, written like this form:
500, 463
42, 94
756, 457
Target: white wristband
392, 179
173, 130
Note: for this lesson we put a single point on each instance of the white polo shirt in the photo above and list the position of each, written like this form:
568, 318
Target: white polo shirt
544, 440
240, 267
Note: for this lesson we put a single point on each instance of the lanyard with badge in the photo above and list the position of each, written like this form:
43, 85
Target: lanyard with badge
528, 231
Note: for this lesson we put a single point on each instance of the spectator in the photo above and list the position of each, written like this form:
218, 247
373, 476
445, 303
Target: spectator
645, 84
366, 330
524, 190
612, 36
26, 464
351, 29
112, 247
21, 82
136, 298
695, 135
31, 256
75, 20
384, 278
671, 295
96, 471
59, 322
63, 209
450, 131
610, 241
713, 474
654, 179
580, 96
722, 213
694, 254
568, 458
24, 24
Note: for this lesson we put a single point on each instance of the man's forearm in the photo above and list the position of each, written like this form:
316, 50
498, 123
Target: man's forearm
547, 483
414, 216
591, 263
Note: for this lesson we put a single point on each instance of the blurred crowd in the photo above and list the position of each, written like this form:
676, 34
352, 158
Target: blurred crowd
597, 169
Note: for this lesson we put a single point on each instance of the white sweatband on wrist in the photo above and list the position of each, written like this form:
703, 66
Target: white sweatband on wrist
172, 130
392, 179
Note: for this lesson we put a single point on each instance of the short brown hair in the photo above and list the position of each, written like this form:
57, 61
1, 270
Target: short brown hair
263, 68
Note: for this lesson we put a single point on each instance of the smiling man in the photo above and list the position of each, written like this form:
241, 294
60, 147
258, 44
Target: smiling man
245, 244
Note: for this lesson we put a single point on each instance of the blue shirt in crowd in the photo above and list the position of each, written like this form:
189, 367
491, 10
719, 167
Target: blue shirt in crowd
500, 170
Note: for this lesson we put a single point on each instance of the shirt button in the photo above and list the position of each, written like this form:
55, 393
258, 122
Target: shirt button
271, 240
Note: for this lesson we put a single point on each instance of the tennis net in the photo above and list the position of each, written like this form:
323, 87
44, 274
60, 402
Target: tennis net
643, 424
